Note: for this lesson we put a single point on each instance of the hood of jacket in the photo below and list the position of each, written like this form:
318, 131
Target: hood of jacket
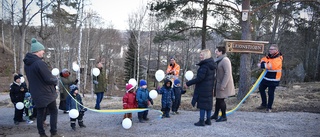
165, 83
30, 58
209, 62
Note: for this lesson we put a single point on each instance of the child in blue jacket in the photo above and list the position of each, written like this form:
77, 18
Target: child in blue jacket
143, 100
72, 104
167, 97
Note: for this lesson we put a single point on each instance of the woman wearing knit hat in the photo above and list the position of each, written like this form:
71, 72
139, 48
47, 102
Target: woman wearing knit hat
43, 85
129, 100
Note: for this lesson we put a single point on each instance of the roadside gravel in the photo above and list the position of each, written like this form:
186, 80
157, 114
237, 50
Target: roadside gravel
248, 124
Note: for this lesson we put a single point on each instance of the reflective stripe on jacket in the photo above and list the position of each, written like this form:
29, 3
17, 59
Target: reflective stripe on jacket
273, 64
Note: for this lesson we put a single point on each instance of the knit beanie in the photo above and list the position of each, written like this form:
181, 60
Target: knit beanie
36, 46
129, 87
16, 77
143, 82
176, 82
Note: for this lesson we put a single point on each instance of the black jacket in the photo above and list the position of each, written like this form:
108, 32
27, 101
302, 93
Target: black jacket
41, 82
204, 83
17, 92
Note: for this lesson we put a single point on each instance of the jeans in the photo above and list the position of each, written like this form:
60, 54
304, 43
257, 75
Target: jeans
99, 99
41, 114
262, 91
202, 113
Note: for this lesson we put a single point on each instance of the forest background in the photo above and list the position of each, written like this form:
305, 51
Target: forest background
158, 31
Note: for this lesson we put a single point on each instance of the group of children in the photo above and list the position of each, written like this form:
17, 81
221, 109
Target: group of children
171, 99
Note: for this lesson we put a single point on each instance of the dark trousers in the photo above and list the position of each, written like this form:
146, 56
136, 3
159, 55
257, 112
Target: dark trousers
80, 119
143, 115
262, 91
176, 103
18, 114
165, 111
220, 105
99, 99
42, 113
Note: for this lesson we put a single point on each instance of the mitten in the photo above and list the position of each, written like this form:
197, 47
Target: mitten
151, 101
95, 82
145, 103
76, 81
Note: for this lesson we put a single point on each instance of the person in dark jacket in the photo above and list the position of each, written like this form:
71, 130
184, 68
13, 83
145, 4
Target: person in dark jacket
204, 83
42, 87
75, 102
66, 82
167, 97
143, 100
100, 85
177, 90
17, 92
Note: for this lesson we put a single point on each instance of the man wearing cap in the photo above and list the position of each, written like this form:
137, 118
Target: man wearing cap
173, 68
42, 87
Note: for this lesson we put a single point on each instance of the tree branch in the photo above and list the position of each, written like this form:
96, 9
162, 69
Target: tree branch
46, 6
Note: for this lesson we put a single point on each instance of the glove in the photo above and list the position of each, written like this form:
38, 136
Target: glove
84, 109
151, 101
76, 81
95, 82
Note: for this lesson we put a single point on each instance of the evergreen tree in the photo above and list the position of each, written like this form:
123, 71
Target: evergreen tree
130, 64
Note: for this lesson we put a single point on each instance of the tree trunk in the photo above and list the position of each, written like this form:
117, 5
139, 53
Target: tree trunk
204, 24
245, 69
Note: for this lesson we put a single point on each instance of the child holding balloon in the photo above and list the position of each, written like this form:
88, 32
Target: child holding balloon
177, 90
167, 97
17, 92
143, 100
75, 102
129, 100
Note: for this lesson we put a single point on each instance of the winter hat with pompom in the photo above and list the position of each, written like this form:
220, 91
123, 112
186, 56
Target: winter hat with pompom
129, 87
143, 82
36, 46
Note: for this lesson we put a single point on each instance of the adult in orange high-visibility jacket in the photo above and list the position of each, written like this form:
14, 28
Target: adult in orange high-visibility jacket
273, 64
173, 68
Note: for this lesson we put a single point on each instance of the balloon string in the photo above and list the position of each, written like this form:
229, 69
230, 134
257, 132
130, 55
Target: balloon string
253, 88
109, 111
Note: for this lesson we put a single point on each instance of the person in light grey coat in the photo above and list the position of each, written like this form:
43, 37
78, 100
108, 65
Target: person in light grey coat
224, 83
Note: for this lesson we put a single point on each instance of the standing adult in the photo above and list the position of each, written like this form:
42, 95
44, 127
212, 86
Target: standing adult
204, 82
224, 83
100, 85
273, 64
173, 68
17, 92
67, 81
42, 87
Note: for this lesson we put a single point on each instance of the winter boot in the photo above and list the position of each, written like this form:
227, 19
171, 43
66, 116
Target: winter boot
208, 122
140, 120
82, 125
214, 116
73, 126
200, 123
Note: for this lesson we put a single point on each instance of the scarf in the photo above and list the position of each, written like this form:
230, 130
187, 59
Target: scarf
218, 59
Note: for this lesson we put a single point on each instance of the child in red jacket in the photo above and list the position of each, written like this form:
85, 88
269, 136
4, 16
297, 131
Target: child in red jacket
129, 100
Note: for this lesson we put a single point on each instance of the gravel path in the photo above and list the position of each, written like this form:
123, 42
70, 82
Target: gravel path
249, 124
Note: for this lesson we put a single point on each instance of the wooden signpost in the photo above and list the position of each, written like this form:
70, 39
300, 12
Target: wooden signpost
245, 46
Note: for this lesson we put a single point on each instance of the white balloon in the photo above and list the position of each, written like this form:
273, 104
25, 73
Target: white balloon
19, 105
126, 123
55, 71
95, 71
75, 67
73, 113
159, 75
189, 75
133, 82
22, 79
153, 94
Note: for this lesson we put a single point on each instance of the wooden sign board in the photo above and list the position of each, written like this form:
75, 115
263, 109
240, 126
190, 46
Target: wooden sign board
245, 46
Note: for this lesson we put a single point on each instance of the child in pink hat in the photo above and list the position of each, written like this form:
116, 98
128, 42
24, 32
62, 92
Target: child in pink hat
129, 100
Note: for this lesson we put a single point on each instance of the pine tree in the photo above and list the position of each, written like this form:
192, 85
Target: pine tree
130, 64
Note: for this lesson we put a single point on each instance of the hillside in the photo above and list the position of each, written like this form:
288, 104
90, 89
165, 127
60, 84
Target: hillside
6, 68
